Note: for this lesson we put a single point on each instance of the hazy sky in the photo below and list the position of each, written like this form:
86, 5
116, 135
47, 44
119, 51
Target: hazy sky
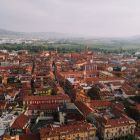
84, 17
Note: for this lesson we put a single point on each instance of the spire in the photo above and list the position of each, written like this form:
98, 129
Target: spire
86, 50
56, 50
56, 54
50, 53
84, 72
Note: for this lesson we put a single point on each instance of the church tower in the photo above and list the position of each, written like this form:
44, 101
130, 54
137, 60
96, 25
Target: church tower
50, 54
84, 72
56, 54
86, 50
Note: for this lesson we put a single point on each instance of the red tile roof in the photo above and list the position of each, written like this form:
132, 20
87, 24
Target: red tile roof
117, 110
5, 136
123, 121
100, 103
32, 136
119, 105
83, 107
49, 97
20, 122
136, 107
72, 127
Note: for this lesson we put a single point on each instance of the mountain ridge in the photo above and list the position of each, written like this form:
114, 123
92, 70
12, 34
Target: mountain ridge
8, 33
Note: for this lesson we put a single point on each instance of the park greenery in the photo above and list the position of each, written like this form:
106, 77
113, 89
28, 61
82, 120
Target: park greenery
62, 48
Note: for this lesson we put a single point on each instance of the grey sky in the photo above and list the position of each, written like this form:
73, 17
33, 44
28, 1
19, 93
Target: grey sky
85, 17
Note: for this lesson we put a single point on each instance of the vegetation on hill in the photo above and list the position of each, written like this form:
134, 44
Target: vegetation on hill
67, 47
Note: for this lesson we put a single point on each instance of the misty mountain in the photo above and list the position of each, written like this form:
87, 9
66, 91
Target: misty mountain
137, 37
7, 33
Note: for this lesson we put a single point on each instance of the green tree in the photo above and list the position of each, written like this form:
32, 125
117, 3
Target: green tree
118, 74
93, 93
53, 93
16, 113
134, 113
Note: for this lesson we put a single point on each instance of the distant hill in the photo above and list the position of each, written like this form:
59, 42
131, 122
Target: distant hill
7, 33
137, 37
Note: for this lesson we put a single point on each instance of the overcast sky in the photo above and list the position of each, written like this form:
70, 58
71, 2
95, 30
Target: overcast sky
84, 17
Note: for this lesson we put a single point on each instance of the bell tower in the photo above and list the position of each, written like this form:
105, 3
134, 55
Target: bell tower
55, 54
50, 54
86, 50
84, 72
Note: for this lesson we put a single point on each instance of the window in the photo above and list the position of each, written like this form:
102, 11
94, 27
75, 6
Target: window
68, 136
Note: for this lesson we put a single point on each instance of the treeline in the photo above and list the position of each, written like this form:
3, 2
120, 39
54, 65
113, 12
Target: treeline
62, 49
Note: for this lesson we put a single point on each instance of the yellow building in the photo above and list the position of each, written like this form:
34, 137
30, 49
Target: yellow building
137, 135
7, 137
138, 125
105, 74
44, 91
112, 129
74, 130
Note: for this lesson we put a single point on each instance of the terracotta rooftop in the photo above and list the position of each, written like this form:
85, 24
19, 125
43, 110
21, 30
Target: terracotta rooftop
123, 121
20, 122
32, 136
72, 127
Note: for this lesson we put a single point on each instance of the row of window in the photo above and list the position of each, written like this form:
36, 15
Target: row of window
53, 101
114, 134
44, 91
74, 138
119, 128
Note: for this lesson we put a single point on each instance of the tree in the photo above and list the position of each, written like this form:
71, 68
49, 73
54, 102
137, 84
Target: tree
16, 113
118, 74
93, 93
138, 76
53, 92
134, 113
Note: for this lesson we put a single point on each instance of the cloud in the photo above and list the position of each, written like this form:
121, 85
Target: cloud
92, 17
